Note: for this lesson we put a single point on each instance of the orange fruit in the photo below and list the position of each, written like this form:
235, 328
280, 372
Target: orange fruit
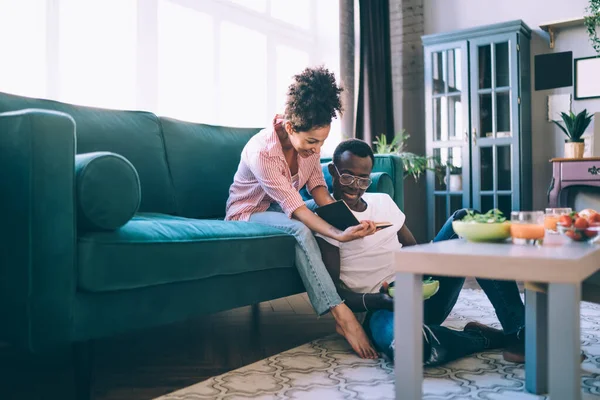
565, 221
581, 223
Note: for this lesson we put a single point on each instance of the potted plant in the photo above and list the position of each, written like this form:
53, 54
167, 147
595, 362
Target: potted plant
413, 164
592, 23
455, 182
574, 127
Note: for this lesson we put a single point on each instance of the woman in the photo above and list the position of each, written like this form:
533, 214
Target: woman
275, 164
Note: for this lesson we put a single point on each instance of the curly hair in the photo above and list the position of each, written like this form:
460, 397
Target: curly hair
313, 99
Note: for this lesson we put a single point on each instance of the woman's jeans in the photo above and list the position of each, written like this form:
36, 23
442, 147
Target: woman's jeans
442, 344
317, 281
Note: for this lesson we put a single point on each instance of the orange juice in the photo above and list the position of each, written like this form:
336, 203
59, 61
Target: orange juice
550, 222
527, 231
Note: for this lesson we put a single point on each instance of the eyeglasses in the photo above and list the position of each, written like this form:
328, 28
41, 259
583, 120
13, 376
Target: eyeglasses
347, 180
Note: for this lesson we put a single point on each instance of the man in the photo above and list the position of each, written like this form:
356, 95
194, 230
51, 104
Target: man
362, 270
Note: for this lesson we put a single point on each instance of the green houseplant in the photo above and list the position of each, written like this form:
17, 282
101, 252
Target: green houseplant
574, 127
414, 165
592, 23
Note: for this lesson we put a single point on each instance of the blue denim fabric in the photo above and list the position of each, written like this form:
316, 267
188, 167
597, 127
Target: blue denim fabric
441, 344
317, 281
504, 295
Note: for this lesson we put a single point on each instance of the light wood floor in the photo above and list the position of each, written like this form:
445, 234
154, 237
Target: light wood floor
144, 365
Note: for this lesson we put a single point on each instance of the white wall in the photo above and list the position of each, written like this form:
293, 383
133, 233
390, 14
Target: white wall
547, 142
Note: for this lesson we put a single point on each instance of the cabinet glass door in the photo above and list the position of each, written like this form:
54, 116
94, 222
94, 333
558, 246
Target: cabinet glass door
494, 116
447, 109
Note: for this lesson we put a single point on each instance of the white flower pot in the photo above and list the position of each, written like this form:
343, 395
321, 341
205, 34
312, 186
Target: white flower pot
574, 150
455, 184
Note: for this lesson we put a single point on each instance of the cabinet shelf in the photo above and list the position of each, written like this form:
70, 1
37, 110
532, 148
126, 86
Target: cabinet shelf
553, 27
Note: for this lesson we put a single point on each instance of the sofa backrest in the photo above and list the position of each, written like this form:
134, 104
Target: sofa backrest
203, 160
135, 135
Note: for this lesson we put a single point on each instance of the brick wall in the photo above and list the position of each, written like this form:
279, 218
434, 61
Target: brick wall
347, 65
406, 29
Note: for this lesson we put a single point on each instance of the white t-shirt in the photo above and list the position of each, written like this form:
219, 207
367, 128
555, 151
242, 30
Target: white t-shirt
366, 263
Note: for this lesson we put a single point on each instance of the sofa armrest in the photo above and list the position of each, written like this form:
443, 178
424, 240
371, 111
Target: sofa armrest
37, 244
391, 164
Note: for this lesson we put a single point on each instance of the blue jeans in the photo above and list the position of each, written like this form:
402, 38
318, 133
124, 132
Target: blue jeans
504, 295
442, 344
317, 281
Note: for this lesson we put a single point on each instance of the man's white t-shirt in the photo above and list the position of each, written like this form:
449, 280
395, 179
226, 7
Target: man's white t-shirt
367, 262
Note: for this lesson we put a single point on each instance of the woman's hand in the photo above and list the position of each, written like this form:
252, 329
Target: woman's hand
365, 228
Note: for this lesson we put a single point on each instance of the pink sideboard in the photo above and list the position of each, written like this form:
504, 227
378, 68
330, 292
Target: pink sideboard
571, 172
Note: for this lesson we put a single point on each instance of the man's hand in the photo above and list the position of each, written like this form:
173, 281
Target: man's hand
386, 301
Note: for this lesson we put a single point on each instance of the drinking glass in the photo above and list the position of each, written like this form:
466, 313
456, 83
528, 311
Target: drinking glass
552, 216
527, 227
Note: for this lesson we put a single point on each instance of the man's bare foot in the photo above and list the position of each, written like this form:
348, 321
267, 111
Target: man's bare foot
348, 326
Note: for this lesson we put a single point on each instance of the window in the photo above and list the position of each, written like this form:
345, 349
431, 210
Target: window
97, 52
23, 66
293, 12
243, 89
289, 61
225, 62
186, 88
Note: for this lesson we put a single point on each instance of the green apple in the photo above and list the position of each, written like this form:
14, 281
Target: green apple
430, 287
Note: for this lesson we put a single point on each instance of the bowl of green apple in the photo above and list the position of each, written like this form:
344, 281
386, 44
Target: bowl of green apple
430, 287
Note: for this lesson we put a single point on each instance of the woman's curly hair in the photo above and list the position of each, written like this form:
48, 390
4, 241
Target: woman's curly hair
313, 99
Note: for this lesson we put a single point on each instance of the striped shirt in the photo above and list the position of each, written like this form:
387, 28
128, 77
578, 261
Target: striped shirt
264, 177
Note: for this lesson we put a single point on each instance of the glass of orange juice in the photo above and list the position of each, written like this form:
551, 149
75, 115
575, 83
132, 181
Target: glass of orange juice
527, 227
552, 216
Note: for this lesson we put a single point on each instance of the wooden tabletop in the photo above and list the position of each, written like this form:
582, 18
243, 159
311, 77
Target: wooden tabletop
556, 261
574, 159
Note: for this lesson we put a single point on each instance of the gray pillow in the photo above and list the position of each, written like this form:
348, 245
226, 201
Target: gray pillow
108, 192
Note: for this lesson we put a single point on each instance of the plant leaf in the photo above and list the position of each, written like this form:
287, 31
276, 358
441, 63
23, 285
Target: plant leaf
562, 127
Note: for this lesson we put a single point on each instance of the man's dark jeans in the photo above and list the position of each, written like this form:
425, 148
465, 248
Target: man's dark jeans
441, 344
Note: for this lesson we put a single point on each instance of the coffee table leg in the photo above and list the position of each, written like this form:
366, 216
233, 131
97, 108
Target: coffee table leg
564, 341
408, 336
536, 341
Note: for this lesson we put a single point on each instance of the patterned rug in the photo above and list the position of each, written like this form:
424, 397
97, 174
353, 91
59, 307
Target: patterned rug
328, 369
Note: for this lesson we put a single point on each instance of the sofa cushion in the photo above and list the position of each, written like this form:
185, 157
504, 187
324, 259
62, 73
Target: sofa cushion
134, 135
107, 191
203, 160
154, 249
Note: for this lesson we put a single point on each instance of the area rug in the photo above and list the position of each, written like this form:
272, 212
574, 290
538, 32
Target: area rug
328, 369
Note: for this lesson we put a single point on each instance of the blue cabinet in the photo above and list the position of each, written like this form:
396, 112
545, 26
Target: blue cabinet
478, 120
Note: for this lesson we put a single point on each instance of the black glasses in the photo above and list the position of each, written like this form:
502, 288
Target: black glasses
347, 180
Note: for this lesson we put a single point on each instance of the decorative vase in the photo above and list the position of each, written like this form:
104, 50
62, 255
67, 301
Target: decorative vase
455, 184
574, 149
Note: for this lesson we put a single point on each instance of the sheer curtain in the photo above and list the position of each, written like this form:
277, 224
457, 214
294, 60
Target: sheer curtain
225, 62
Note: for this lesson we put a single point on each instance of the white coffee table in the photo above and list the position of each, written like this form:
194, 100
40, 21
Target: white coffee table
552, 332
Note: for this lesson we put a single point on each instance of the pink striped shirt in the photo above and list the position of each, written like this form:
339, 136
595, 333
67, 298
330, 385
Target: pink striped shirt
264, 177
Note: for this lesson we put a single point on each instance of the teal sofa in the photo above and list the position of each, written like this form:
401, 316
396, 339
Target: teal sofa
66, 281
